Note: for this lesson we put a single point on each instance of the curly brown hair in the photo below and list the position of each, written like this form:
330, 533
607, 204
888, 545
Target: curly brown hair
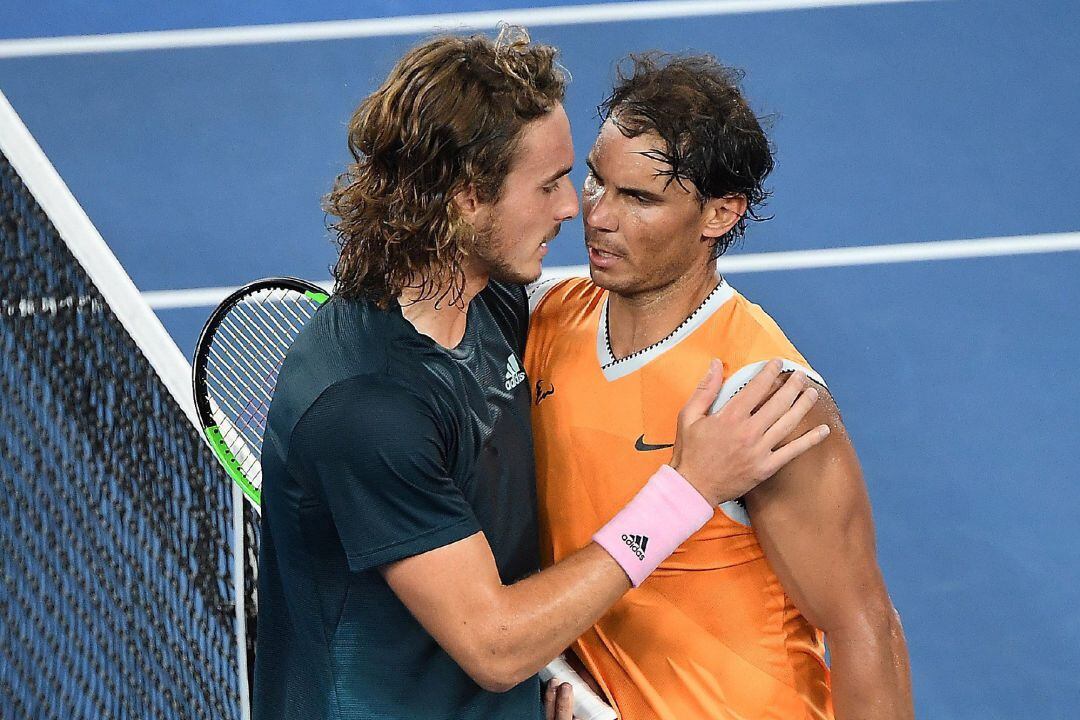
712, 137
449, 116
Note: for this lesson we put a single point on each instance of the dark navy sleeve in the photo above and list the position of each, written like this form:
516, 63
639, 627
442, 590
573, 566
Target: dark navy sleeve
377, 456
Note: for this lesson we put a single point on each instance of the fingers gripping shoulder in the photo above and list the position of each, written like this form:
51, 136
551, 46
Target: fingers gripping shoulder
736, 509
739, 379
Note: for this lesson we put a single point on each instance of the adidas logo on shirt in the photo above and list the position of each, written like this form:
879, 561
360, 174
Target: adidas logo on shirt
636, 543
514, 374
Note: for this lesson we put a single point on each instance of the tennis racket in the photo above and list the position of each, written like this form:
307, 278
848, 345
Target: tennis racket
237, 359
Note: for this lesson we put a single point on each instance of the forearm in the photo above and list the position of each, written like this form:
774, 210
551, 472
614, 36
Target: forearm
534, 620
545, 613
871, 676
501, 634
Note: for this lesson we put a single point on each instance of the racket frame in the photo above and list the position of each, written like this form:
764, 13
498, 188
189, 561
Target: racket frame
210, 427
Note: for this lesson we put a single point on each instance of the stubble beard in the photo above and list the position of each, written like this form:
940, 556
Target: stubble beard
486, 249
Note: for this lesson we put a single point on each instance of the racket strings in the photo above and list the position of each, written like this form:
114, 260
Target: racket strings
243, 361
231, 360
243, 368
234, 389
277, 320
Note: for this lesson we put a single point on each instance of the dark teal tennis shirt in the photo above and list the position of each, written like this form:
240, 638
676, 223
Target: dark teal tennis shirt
380, 444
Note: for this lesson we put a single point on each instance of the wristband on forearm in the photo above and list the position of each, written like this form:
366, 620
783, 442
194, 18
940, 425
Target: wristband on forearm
657, 520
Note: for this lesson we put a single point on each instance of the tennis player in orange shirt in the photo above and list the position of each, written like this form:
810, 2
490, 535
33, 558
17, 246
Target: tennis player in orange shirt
731, 625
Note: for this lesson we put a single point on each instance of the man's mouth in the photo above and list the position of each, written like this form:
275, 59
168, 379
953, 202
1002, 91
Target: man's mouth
602, 258
602, 251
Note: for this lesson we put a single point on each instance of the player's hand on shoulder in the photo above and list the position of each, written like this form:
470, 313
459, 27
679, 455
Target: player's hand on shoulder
727, 454
558, 701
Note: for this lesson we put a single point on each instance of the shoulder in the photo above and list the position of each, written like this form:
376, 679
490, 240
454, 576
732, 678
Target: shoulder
749, 338
346, 336
551, 296
345, 358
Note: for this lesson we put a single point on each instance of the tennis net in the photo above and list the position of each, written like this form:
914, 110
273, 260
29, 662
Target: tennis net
120, 545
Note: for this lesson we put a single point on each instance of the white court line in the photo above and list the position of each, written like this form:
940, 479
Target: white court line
756, 262
406, 25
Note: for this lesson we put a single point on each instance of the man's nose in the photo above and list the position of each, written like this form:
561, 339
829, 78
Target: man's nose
569, 207
598, 212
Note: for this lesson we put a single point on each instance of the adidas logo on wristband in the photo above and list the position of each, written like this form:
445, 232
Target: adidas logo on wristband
636, 543
669, 509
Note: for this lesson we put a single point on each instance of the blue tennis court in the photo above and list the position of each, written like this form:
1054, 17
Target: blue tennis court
906, 124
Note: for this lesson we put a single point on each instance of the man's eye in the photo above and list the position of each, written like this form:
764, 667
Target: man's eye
550, 188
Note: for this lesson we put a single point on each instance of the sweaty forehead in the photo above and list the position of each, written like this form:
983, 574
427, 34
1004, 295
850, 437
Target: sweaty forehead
613, 152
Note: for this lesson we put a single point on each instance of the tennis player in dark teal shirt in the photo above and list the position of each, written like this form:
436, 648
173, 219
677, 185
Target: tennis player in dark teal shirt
381, 444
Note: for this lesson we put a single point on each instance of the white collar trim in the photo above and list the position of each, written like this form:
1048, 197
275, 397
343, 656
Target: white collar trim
614, 369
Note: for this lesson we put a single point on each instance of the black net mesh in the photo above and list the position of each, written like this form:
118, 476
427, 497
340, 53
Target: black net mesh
116, 597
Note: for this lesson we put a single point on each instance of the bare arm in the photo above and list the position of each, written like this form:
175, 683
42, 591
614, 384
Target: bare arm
502, 634
813, 520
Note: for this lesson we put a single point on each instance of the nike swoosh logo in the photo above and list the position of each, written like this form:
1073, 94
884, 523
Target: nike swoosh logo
642, 446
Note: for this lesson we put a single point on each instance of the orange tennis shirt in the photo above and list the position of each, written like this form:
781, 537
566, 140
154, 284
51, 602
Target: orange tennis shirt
711, 633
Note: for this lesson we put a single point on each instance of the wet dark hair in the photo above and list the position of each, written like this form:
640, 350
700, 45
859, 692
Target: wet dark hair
711, 136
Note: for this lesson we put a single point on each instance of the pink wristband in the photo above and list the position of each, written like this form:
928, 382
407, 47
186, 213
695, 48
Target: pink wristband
657, 520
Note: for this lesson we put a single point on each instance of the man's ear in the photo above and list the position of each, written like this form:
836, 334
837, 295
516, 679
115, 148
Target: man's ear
721, 214
468, 204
